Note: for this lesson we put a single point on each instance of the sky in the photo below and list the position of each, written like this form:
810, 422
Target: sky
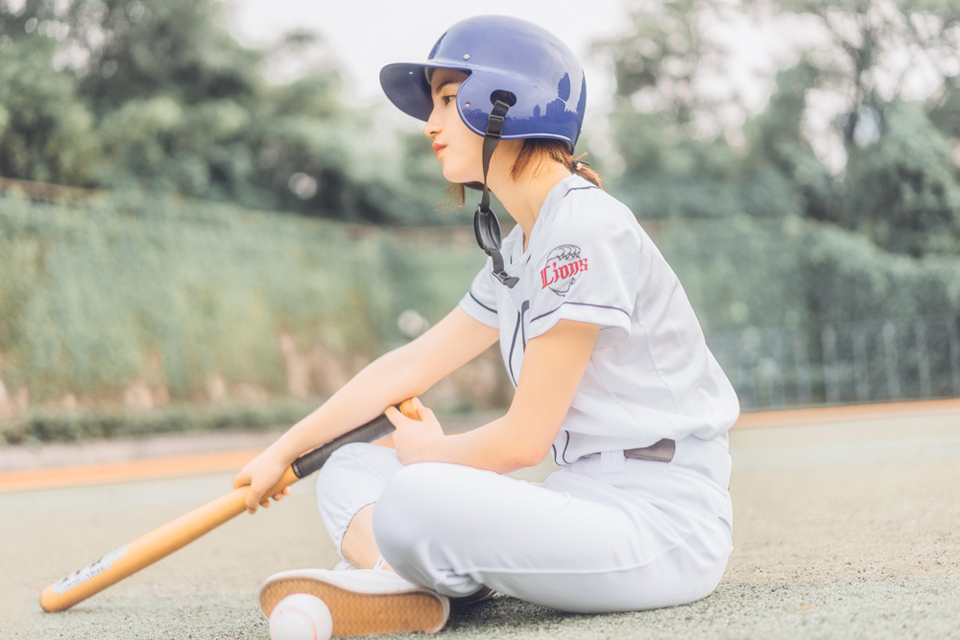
365, 35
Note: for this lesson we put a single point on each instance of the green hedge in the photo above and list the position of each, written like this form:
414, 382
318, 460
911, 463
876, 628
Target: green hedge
741, 272
802, 313
96, 296
45, 425
93, 296
849, 280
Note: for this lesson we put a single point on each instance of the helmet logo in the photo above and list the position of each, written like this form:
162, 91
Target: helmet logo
563, 87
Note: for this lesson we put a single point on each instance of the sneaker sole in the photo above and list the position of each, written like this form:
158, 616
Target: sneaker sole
361, 614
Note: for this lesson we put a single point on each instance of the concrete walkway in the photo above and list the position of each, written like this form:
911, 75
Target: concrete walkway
847, 526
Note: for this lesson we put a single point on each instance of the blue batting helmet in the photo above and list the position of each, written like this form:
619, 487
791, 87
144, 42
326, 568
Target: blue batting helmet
507, 59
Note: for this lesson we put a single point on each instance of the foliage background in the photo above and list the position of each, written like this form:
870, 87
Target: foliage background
178, 231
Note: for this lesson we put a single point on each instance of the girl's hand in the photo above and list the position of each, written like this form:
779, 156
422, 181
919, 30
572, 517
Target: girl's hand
261, 474
415, 440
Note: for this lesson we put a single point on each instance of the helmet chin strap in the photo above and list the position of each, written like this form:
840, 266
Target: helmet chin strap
485, 224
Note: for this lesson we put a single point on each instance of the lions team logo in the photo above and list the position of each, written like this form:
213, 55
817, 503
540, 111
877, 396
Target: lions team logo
563, 268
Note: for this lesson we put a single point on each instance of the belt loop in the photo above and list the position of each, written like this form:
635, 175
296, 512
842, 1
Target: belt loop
611, 461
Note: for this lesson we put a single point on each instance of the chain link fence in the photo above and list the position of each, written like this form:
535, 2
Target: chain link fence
857, 362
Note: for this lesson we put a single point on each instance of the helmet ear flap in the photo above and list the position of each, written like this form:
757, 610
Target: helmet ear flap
486, 228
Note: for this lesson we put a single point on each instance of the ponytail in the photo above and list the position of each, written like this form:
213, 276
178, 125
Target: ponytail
536, 150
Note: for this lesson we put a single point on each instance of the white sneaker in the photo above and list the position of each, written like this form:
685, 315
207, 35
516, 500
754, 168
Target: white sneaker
344, 565
362, 602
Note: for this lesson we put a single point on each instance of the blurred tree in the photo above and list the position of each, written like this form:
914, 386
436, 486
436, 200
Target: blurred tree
138, 49
777, 146
894, 64
897, 183
662, 62
882, 50
46, 135
945, 113
156, 95
861, 134
668, 174
677, 136
902, 190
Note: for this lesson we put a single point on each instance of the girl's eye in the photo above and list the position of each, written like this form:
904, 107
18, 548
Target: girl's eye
447, 99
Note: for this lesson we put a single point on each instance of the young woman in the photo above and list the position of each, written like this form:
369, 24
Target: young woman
613, 380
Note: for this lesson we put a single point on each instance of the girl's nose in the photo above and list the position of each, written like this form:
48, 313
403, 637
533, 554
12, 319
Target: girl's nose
431, 129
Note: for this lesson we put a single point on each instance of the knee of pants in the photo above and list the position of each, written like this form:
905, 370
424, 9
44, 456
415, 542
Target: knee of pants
329, 478
352, 478
416, 526
412, 508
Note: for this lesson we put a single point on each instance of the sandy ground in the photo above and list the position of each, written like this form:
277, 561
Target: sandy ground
846, 527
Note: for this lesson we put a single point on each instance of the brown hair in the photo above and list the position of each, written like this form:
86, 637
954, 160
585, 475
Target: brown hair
534, 153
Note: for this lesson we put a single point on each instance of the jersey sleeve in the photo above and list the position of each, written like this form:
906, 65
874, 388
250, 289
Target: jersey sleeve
587, 272
480, 301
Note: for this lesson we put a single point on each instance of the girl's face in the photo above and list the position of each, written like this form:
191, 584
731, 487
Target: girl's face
459, 149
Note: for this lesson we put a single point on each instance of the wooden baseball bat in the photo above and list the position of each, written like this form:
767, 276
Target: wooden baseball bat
179, 532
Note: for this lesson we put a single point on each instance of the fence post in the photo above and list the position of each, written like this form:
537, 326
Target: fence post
774, 370
831, 376
890, 351
954, 338
923, 361
861, 368
851, 372
746, 370
802, 359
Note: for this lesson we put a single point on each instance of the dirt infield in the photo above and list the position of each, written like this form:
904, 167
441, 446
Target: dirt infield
846, 525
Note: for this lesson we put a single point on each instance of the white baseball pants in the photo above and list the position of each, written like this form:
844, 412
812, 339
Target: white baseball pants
603, 534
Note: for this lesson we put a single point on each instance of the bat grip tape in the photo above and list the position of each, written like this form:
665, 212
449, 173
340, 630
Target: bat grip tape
313, 460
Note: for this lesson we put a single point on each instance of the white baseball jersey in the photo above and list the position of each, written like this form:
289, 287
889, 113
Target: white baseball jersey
651, 375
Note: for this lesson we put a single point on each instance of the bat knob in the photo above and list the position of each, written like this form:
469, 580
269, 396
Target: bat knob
409, 409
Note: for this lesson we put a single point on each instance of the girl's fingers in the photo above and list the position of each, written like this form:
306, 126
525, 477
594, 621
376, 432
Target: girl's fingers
396, 417
241, 480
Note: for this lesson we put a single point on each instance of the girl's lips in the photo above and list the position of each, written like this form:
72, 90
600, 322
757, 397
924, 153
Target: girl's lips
437, 148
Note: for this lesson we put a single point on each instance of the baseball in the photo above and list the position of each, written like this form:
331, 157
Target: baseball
300, 617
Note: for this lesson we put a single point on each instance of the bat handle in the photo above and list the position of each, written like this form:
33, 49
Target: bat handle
369, 432
302, 466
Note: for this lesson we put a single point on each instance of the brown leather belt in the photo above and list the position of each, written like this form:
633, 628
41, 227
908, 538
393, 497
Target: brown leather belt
662, 450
